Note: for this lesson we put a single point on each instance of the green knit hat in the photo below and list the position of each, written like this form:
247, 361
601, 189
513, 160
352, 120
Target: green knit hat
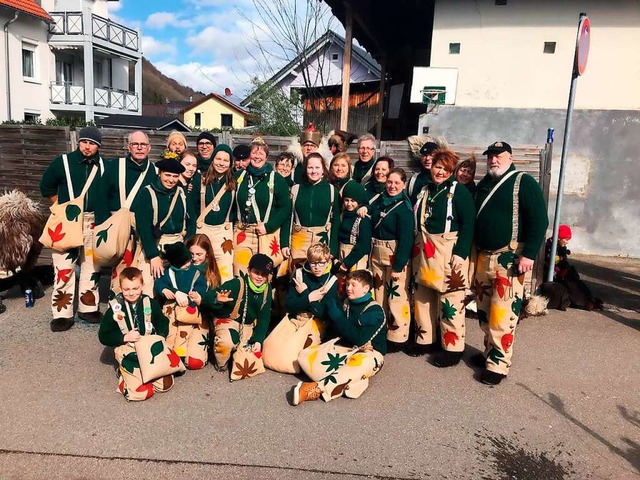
223, 148
355, 191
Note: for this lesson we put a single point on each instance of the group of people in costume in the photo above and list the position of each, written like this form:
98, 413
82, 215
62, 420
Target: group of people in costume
314, 264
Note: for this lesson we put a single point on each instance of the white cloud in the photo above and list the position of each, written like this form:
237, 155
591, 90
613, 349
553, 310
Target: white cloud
114, 6
154, 48
205, 78
160, 20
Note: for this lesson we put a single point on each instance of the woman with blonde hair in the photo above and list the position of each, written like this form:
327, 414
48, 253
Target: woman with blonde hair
214, 206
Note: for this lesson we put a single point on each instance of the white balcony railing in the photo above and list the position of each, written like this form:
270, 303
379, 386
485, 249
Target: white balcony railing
66, 94
70, 23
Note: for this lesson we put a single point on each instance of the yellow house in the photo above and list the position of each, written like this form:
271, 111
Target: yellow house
215, 111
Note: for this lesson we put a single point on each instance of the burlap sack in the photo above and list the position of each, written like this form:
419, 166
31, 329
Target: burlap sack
269, 244
246, 364
111, 237
156, 359
283, 345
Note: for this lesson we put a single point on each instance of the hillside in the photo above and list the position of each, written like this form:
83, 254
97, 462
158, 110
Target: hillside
157, 87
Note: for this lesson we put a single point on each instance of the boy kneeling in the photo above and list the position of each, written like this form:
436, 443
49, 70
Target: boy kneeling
241, 308
130, 315
341, 370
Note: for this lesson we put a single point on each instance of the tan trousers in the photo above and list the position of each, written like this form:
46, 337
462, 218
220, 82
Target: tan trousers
130, 382
393, 295
341, 374
302, 238
64, 283
133, 257
227, 338
446, 309
190, 342
499, 293
221, 238
345, 249
245, 245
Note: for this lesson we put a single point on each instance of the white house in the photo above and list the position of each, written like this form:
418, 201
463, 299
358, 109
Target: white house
317, 74
45, 49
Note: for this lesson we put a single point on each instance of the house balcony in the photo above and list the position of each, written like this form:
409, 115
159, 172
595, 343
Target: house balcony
65, 96
70, 27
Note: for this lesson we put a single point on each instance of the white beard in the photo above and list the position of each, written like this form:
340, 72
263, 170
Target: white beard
498, 173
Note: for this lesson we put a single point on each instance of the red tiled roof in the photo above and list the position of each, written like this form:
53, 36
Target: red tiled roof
27, 6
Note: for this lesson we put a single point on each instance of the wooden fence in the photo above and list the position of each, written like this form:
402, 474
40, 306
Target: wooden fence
26, 150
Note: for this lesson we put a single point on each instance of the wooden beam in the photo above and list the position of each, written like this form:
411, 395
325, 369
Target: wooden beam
383, 86
346, 68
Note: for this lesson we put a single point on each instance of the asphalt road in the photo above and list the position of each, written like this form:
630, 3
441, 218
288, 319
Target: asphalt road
570, 408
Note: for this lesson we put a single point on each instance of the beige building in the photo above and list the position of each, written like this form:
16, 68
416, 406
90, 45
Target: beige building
215, 111
519, 54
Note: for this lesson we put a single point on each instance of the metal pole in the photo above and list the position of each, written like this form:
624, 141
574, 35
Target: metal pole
563, 159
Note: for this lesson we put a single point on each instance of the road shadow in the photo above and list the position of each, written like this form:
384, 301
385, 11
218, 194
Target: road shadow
632, 455
614, 286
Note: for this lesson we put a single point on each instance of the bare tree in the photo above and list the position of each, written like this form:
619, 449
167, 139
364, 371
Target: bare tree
285, 30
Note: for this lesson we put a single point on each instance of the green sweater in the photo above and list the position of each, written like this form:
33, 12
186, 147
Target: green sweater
360, 169
143, 210
373, 188
226, 203
391, 223
493, 223
111, 184
464, 213
299, 302
110, 334
203, 163
54, 180
362, 246
193, 196
258, 306
281, 205
356, 327
312, 209
416, 183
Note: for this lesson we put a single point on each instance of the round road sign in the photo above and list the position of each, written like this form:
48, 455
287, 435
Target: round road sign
584, 37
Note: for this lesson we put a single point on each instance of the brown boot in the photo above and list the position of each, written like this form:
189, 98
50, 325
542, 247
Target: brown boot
306, 391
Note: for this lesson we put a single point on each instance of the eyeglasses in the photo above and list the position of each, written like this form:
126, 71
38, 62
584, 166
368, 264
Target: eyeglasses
367, 148
138, 145
317, 264
205, 144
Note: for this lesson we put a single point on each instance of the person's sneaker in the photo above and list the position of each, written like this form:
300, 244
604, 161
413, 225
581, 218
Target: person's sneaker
305, 391
478, 360
491, 378
90, 317
417, 350
447, 359
61, 324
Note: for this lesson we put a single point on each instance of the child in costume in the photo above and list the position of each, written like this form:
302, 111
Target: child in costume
345, 369
130, 315
188, 334
354, 234
312, 286
241, 310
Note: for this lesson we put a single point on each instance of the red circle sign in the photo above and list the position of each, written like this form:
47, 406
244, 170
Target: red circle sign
584, 37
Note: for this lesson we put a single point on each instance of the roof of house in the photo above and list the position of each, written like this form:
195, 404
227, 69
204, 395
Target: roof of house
220, 98
143, 122
321, 43
27, 6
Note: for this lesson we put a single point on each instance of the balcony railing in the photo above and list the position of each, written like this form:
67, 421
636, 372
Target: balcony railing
70, 23
64, 93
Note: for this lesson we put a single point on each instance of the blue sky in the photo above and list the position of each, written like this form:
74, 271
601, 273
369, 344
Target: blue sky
208, 45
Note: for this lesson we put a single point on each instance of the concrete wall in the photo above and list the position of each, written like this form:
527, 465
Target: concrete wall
27, 95
502, 64
603, 177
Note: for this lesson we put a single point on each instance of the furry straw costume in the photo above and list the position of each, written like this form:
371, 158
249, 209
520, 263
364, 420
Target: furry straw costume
21, 223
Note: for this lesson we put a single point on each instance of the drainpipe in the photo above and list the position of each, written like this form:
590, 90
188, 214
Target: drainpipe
6, 53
